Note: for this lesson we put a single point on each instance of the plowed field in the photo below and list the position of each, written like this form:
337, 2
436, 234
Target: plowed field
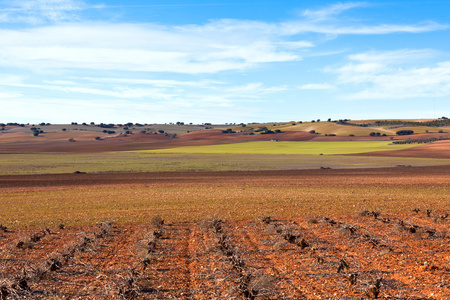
299, 258
317, 234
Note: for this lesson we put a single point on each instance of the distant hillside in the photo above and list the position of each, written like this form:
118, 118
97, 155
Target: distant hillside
133, 136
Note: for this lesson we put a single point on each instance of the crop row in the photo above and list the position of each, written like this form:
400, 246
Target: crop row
370, 255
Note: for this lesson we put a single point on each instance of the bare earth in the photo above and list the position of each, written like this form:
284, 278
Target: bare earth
439, 149
395, 177
326, 257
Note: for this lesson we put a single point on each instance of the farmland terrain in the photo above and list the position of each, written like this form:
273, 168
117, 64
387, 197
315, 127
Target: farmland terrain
305, 234
314, 210
100, 148
88, 138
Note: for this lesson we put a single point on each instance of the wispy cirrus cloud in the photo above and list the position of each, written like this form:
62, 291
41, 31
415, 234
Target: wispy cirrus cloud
317, 86
40, 11
331, 10
206, 83
329, 20
153, 90
121, 102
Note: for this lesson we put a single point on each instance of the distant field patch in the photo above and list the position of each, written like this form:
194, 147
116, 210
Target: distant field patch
129, 162
305, 148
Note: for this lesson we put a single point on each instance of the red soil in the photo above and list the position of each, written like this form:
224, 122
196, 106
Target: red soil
439, 149
392, 177
198, 261
142, 141
188, 263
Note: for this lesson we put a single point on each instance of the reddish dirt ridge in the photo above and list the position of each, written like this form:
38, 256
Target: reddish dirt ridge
372, 177
389, 256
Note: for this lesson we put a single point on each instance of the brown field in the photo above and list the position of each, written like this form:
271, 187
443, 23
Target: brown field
439, 149
332, 234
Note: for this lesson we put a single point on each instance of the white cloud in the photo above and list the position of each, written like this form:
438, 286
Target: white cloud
204, 93
137, 47
41, 11
254, 90
301, 27
60, 82
325, 21
296, 45
9, 95
122, 92
7, 79
317, 86
154, 82
394, 75
327, 12
219, 45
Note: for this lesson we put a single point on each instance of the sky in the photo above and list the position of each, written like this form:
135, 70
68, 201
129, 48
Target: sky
223, 61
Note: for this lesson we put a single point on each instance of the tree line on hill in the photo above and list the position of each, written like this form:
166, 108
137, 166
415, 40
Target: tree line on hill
443, 121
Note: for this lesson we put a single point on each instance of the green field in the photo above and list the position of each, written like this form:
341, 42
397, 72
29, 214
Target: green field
303, 148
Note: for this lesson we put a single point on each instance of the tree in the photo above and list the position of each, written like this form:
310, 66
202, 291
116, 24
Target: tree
404, 132
267, 132
229, 130
260, 129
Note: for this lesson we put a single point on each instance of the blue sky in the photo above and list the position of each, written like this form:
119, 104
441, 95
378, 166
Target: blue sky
199, 61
